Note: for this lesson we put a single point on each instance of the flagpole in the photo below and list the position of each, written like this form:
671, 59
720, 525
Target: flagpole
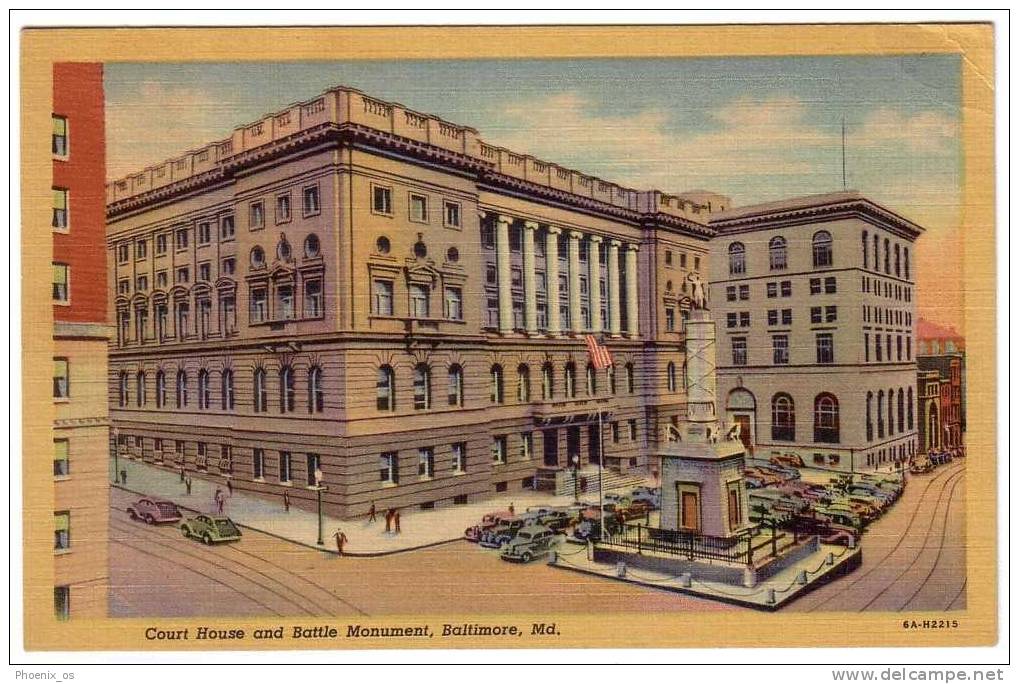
601, 465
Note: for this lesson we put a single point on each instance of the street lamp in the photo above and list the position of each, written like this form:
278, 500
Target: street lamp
575, 466
319, 488
116, 456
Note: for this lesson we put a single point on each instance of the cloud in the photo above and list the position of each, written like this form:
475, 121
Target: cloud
923, 132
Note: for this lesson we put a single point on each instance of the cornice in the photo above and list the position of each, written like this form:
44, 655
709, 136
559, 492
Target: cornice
855, 208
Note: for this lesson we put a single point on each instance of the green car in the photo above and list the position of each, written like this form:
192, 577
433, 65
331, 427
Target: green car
210, 529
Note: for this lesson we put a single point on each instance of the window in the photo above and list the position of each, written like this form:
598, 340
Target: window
123, 253
815, 286
312, 298
61, 215
312, 247
670, 374
822, 247
205, 272
161, 280
523, 383
256, 215
316, 395
422, 387
901, 405
496, 384
122, 389
772, 316
772, 290
311, 203
730, 293
182, 238
382, 200
385, 388
905, 263
383, 297
313, 469
451, 214
259, 391
182, 389
499, 449
570, 380
826, 418
630, 383
283, 208
229, 266
140, 397
259, 306
777, 253
865, 250
737, 259
739, 351
287, 392
62, 530
204, 391
160, 389
877, 346
426, 462
830, 285
455, 385
670, 317
285, 302
226, 390
526, 446
418, 208
204, 233
744, 319
825, 345
783, 418
786, 287
454, 303
161, 244
183, 275
831, 314
389, 468
226, 227
258, 464
815, 314
547, 382
744, 292
419, 300
780, 349
787, 316
888, 255
61, 460
285, 463
142, 283
909, 408
60, 145
591, 381
61, 378
632, 424
61, 283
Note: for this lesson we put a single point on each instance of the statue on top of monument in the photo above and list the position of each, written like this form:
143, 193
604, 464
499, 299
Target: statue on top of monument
698, 295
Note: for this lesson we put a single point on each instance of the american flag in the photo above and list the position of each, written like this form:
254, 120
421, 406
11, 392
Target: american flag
600, 356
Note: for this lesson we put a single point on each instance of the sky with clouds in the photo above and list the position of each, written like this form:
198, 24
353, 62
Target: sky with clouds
756, 129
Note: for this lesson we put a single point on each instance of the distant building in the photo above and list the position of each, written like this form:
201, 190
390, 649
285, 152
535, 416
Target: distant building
942, 349
930, 433
81, 334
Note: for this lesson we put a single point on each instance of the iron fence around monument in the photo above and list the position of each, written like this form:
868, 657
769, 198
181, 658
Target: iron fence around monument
641, 538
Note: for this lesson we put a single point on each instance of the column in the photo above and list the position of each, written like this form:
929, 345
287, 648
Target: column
552, 275
631, 290
593, 288
530, 290
502, 252
576, 320
613, 260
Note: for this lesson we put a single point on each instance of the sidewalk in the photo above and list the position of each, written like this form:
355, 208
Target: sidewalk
419, 528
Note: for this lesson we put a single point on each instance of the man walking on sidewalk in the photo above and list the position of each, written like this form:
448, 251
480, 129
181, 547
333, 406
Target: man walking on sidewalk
396, 522
187, 484
286, 500
182, 473
218, 498
371, 513
341, 539
389, 520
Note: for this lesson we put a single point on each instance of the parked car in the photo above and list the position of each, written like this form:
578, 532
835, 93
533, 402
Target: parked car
792, 460
154, 511
495, 537
840, 515
488, 521
591, 529
811, 493
872, 505
556, 520
753, 482
920, 464
784, 472
887, 497
820, 525
533, 541
769, 479
844, 505
647, 495
210, 529
779, 500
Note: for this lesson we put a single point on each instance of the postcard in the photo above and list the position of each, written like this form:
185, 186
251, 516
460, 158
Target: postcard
507, 337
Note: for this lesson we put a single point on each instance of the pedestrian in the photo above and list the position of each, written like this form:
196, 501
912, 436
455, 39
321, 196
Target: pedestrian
182, 473
187, 485
389, 520
230, 487
286, 500
123, 476
218, 498
396, 522
511, 509
341, 539
371, 513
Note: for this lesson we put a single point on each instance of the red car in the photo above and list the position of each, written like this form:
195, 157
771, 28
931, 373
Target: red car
488, 521
154, 511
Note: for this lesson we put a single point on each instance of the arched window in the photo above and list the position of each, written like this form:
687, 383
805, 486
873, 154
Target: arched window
547, 382
257, 257
204, 392
456, 385
226, 390
570, 380
909, 408
891, 412
901, 410
822, 249
523, 383
783, 417
777, 254
591, 381
160, 389
737, 258
866, 250
261, 398
826, 419
385, 389
905, 262
888, 258
631, 384
122, 388
182, 389
877, 261
671, 376
880, 414
316, 395
287, 394
611, 373
898, 261
870, 416
422, 387
497, 388
139, 389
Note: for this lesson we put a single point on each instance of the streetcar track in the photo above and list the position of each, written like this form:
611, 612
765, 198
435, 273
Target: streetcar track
926, 538
224, 568
877, 566
941, 548
198, 572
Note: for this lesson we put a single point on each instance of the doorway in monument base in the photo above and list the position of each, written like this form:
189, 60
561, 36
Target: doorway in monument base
688, 499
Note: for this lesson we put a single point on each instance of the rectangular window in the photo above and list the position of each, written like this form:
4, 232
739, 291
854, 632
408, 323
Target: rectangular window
62, 602
204, 233
454, 304
460, 457
226, 227
382, 200
61, 460
780, 349
123, 253
313, 298
730, 320
670, 319
831, 314
418, 208
161, 244
383, 297
141, 249
744, 292
229, 266
815, 286
815, 314
61, 216
499, 449
183, 276
526, 446
772, 290
285, 302
256, 215
310, 201
61, 283
633, 429
60, 145
786, 287
259, 311
615, 432
419, 300
877, 347
426, 462
285, 463
825, 348
313, 470
62, 530
739, 351
787, 316
682, 259
451, 214
61, 378
228, 313
123, 286
772, 316
829, 285
283, 208
258, 464
730, 293
866, 347
142, 283
744, 319
205, 272
182, 238
389, 468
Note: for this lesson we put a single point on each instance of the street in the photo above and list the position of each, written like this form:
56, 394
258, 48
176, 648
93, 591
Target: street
913, 560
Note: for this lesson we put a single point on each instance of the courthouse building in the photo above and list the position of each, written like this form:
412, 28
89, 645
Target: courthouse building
81, 334
352, 286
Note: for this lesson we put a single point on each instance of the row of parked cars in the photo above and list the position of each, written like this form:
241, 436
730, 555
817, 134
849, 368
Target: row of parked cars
209, 529
844, 505
925, 463
526, 536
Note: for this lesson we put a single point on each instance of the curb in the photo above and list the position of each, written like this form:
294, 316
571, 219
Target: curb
316, 547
